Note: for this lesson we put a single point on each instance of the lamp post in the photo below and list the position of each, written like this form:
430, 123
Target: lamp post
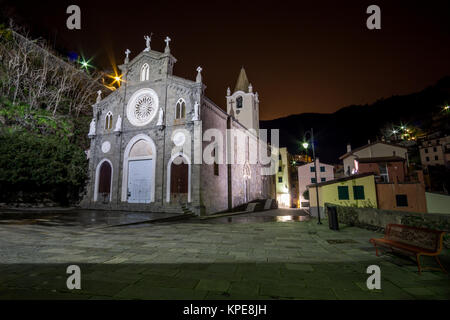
305, 145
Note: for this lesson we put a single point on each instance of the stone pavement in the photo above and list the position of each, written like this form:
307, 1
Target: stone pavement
201, 260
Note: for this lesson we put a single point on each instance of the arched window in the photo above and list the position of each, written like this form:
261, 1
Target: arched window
239, 102
180, 112
145, 72
108, 121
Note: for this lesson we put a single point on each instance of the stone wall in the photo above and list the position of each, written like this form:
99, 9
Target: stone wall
377, 219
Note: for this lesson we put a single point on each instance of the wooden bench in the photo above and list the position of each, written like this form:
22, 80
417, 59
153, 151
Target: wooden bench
418, 241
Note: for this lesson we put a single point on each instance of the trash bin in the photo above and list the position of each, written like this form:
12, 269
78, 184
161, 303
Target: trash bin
332, 218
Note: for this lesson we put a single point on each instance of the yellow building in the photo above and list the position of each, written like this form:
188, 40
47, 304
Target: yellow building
283, 182
357, 190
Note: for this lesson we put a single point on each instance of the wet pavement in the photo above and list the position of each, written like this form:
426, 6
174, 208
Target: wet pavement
207, 260
77, 217
279, 215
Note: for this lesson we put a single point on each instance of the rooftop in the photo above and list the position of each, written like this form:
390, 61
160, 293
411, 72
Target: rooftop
369, 145
380, 159
355, 176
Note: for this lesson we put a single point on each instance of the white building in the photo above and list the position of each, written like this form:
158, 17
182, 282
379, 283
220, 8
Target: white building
435, 151
306, 176
371, 150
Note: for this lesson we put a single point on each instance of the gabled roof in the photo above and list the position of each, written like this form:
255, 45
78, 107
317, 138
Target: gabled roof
355, 176
368, 145
381, 159
242, 82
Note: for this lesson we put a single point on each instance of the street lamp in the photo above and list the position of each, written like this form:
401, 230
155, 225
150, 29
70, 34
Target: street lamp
305, 145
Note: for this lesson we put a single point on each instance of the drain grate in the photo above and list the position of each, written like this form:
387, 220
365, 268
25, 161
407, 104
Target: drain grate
339, 241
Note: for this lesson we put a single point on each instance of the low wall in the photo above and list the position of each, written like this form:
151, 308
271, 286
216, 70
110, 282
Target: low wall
377, 219
438, 203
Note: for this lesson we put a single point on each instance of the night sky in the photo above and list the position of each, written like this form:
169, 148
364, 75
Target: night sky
301, 56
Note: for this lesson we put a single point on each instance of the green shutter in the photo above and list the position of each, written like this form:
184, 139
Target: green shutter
358, 192
343, 193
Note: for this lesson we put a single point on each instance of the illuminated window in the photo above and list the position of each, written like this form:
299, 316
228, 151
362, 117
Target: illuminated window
145, 72
108, 121
180, 112
239, 102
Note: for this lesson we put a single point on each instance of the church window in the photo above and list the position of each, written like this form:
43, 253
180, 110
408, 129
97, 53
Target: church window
239, 102
145, 72
108, 121
180, 109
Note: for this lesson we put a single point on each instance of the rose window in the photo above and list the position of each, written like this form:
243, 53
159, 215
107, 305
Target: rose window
144, 108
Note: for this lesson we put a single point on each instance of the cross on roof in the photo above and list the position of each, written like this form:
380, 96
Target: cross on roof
167, 40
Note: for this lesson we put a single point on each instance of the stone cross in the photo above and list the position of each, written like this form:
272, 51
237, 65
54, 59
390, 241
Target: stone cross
127, 53
199, 75
167, 40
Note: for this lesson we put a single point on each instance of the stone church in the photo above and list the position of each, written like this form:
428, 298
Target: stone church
145, 135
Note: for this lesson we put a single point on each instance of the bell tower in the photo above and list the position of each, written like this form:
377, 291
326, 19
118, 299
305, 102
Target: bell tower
243, 104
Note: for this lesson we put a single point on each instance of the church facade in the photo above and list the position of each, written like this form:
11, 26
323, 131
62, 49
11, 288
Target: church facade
149, 138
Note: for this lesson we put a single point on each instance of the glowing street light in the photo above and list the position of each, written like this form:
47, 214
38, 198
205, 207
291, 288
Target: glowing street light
85, 64
305, 145
117, 79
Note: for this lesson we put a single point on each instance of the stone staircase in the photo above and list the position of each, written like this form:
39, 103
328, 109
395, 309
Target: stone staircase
180, 207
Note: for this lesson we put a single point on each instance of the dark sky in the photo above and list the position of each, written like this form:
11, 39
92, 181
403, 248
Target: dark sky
301, 56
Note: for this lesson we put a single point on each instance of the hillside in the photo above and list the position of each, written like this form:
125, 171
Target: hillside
356, 124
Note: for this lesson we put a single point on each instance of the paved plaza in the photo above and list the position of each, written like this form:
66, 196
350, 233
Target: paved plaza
278, 255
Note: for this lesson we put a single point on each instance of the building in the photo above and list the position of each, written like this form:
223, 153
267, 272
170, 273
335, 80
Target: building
381, 182
283, 183
435, 151
371, 150
306, 176
150, 137
386, 169
396, 188
357, 190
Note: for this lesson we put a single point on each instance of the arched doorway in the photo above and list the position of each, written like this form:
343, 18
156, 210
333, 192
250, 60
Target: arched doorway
138, 184
104, 180
179, 180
